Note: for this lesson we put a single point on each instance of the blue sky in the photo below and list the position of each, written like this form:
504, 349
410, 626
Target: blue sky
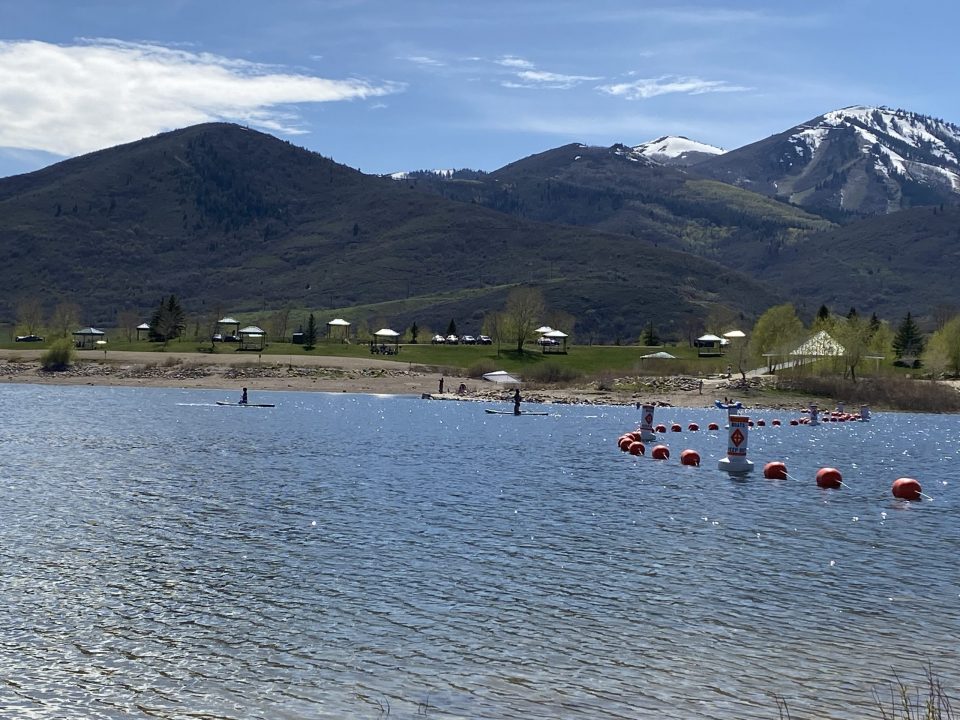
389, 85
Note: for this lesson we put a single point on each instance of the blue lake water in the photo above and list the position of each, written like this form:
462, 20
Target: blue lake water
356, 556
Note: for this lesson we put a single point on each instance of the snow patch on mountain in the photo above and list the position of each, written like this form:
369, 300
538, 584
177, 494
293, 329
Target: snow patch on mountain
676, 149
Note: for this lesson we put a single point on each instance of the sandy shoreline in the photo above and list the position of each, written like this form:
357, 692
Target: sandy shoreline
322, 374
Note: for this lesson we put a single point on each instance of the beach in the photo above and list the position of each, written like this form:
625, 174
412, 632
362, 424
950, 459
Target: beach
328, 374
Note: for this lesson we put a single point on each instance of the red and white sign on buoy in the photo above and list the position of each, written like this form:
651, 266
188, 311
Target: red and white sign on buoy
736, 462
814, 415
646, 423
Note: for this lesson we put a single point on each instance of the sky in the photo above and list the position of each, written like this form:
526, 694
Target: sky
397, 85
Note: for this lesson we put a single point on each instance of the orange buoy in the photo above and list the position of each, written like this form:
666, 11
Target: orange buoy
829, 478
676, 428
761, 423
776, 423
624, 442
693, 427
906, 489
636, 448
795, 422
660, 428
775, 470
713, 426
690, 457
660, 452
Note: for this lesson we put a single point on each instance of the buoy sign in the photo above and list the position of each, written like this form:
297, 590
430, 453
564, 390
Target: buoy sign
737, 447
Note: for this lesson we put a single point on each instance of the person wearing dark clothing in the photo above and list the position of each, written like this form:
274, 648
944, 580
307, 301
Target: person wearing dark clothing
516, 401
243, 398
441, 386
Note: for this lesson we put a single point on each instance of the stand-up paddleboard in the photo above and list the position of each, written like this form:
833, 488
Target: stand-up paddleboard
236, 404
511, 412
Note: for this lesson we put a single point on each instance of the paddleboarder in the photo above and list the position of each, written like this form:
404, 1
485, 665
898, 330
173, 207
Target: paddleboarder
243, 398
516, 401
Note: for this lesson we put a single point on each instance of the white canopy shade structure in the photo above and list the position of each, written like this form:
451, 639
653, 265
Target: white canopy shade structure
87, 337
338, 326
544, 329
558, 334
734, 334
709, 338
501, 377
708, 345
658, 356
384, 334
559, 343
252, 338
143, 328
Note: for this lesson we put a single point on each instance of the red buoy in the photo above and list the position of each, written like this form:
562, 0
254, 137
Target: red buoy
676, 428
690, 457
829, 478
693, 427
660, 452
776, 423
636, 448
624, 442
794, 422
906, 489
713, 426
775, 471
660, 428
761, 423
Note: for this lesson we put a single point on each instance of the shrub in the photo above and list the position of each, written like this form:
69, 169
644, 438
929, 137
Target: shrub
480, 368
59, 356
550, 372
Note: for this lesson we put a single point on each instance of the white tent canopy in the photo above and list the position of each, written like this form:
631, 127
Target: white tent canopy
544, 329
734, 334
659, 356
821, 344
502, 377
339, 322
710, 338
555, 334
387, 333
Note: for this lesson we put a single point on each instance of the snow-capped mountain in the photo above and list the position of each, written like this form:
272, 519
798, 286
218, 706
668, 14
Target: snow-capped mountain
860, 159
676, 150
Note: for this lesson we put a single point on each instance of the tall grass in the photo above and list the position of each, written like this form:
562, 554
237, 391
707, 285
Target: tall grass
895, 393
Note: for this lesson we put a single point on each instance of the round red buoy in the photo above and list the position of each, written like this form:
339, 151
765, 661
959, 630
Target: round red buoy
693, 427
636, 448
829, 478
660, 428
794, 422
776, 423
624, 442
690, 457
660, 452
775, 470
906, 489
713, 426
676, 428
761, 423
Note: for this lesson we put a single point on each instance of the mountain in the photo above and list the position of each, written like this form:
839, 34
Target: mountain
617, 189
861, 160
676, 150
236, 221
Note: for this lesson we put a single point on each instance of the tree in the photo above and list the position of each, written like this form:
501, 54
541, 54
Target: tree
855, 335
944, 349
775, 332
127, 321
908, 342
30, 316
168, 321
414, 331
65, 318
823, 313
649, 336
279, 321
524, 309
494, 324
310, 334
452, 328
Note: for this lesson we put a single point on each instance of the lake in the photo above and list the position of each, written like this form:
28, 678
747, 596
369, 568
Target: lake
358, 556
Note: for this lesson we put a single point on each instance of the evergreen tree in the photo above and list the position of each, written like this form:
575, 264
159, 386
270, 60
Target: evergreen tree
452, 328
908, 341
823, 313
414, 331
168, 320
310, 334
650, 336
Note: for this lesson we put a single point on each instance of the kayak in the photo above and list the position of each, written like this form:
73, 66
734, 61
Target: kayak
511, 412
236, 404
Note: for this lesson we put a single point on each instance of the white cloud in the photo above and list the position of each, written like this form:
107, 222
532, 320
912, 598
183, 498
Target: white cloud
423, 60
541, 78
74, 99
512, 61
651, 87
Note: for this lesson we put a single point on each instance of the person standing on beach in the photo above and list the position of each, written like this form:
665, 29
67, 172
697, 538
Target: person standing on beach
441, 386
516, 401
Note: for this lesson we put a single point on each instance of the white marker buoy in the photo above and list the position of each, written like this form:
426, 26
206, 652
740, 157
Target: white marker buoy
646, 424
814, 415
864, 412
736, 462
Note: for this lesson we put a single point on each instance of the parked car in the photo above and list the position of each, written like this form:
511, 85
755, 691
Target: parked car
468, 340
484, 340
547, 341
438, 339
452, 340
217, 337
29, 338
